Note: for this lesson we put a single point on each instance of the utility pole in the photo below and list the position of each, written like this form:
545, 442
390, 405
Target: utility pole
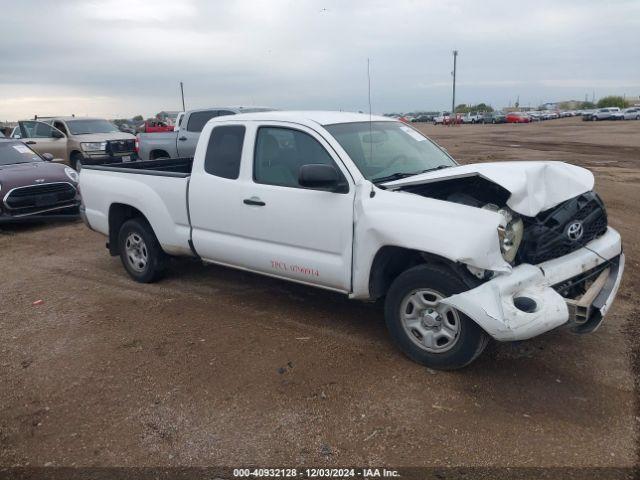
182, 93
453, 100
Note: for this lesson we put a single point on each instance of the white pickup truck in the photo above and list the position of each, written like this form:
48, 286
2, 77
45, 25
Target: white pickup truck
369, 207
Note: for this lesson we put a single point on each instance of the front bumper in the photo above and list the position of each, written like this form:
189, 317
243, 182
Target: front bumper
103, 159
493, 304
58, 213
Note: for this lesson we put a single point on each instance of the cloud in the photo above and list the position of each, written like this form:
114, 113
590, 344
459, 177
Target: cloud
137, 11
117, 57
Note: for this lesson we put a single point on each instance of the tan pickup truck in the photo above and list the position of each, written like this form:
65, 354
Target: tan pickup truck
78, 141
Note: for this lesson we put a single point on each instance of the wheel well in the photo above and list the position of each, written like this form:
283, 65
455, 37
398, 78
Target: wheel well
390, 262
156, 154
118, 214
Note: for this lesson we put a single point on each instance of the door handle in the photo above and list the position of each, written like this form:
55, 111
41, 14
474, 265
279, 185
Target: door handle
182, 139
30, 142
255, 201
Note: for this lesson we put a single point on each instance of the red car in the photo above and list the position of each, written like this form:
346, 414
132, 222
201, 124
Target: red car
156, 126
518, 117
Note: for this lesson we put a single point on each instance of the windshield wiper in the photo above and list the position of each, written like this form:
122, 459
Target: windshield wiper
393, 176
399, 175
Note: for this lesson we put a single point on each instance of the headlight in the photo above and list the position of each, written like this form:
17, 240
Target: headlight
94, 146
510, 231
72, 174
510, 234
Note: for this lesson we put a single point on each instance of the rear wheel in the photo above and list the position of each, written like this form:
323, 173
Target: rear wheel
140, 252
425, 329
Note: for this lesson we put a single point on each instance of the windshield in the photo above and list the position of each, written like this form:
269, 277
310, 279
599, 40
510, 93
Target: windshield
383, 151
17, 152
83, 127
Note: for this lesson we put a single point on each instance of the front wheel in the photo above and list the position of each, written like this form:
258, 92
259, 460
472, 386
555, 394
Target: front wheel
140, 252
426, 330
76, 162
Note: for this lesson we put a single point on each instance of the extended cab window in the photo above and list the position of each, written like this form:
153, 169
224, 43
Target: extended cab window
197, 120
280, 152
224, 151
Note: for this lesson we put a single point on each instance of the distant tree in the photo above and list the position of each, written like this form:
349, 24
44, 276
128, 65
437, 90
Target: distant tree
587, 105
483, 107
138, 118
480, 107
612, 101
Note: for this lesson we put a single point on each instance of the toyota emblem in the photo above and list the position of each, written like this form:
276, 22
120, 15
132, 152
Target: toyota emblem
575, 231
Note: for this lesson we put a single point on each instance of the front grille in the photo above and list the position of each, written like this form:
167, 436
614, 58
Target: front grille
117, 147
546, 235
38, 197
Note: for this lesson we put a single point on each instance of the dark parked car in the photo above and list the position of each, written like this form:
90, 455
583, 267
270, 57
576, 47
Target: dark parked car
493, 117
34, 188
423, 118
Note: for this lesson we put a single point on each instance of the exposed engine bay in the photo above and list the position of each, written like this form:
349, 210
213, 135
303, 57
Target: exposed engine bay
550, 234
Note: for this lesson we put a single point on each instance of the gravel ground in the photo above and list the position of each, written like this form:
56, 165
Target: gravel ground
218, 367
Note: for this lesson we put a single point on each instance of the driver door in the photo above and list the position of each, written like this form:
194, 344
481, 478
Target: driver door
43, 138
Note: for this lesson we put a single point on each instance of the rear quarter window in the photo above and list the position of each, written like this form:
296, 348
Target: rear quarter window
224, 151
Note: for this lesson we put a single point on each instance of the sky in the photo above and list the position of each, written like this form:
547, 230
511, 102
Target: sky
119, 58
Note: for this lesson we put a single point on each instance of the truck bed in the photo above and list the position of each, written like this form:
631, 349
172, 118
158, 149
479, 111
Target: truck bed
167, 167
157, 188
149, 142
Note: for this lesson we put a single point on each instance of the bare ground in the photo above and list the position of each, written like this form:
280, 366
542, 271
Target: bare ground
218, 367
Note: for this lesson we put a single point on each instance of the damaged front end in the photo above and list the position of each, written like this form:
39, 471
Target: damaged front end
576, 289
566, 262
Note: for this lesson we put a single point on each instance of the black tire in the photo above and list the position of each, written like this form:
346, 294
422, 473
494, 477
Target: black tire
155, 259
471, 339
76, 161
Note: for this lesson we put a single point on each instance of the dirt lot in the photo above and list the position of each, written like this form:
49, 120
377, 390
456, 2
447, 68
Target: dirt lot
214, 366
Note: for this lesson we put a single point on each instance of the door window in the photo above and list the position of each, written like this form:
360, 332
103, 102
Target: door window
224, 151
280, 152
33, 129
197, 120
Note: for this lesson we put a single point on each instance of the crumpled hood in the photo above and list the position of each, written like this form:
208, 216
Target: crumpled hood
534, 186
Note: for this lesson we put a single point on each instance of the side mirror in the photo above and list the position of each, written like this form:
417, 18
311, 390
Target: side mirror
48, 157
57, 134
318, 175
